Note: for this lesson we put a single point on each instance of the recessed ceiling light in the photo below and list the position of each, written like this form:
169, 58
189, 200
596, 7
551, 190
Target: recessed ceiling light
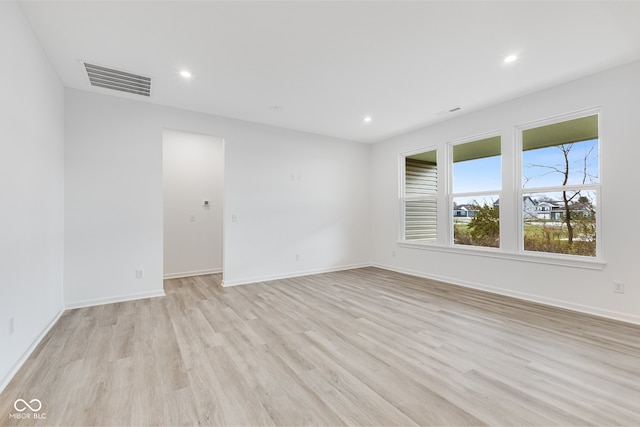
185, 74
367, 119
510, 58
276, 108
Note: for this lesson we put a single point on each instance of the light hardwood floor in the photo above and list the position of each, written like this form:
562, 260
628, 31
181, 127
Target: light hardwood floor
358, 347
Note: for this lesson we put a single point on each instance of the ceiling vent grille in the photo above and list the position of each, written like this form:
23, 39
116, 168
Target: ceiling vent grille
109, 78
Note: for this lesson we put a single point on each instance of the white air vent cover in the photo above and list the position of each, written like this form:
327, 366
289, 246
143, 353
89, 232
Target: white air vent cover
118, 80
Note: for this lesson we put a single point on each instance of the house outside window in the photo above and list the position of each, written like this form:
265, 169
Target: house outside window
451, 194
475, 187
560, 174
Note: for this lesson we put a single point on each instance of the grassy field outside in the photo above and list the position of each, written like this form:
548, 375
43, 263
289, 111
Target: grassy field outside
539, 236
462, 235
552, 237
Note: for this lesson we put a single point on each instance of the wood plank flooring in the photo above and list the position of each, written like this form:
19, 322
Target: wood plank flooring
358, 347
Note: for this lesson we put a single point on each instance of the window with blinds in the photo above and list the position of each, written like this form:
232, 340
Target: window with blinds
419, 201
455, 195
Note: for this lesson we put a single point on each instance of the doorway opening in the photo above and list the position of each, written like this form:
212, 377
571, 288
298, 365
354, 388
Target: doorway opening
193, 174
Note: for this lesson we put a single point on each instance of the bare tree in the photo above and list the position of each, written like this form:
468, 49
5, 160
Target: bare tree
564, 169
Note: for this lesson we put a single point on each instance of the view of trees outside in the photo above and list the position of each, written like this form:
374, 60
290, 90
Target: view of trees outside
477, 169
564, 221
565, 228
560, 190
560, 221
476, 221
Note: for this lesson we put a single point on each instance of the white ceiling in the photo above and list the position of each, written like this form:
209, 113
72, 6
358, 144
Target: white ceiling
328, 64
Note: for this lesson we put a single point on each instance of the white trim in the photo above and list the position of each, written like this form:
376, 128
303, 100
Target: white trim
528, 256
561, 188
585, 309
475, 193
111, 300
518, 168
18, 364
192, 273
450, 194
248, 281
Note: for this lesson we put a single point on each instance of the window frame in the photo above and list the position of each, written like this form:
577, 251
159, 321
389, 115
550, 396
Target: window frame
451, 195
511, 241
521, 191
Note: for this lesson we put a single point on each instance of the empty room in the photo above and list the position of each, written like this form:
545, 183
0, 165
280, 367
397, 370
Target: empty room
288, 213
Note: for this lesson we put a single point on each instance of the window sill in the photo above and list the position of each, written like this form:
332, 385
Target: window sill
540, 258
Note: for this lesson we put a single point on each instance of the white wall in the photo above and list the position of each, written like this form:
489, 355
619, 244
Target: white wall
193, 170
294, 194
617, 91
31, 191
113, 203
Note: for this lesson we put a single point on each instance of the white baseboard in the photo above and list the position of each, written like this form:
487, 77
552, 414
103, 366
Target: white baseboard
227, 283
111, 300
595, 311
192, 273
16, 366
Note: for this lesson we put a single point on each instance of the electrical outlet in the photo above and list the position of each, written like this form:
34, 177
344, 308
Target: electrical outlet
11, 329
139, 273
618, 287
393, 254
297, 257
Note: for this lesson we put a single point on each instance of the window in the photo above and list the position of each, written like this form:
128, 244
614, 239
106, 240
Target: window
560, 187
475, 192
419, 199
544, 206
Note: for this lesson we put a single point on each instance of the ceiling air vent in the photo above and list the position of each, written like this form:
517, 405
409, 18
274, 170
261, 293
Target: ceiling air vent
445, 112
109, 78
